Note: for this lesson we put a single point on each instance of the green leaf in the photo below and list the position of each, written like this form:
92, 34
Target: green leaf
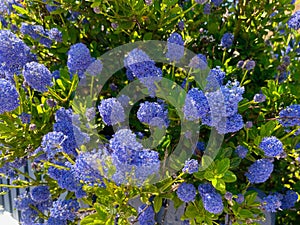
91, 219
157, 203
20, 10
219, 184
245, 213
101, 211
206, 161
229, 177
191, 211
222, 166
209, 175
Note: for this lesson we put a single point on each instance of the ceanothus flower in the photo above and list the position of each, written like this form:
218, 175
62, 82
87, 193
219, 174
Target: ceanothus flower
198, 62
37, 76
240, 198
241, 151
94, 68
55, 221
55, 35
271, 146
175, 47
186, 192
289, 199
227, 40
294, 21
64, 209
290, 116
250, 65
260, 171
79, 59
111, 111
259, 98
212, 200
206, 9
191, 166
9, 97
40, 194
271, 203
217, 2
153, 113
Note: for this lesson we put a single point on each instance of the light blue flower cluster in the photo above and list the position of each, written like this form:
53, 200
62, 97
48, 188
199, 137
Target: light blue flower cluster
241, 151
52, 144
175, 47
186, 192
212, 200
198, 62
111, 111
132, 162
227, 40
260, 171
37, 76
139, 65
153, 114
271, 146
214, 79
294, 21
44, 36
9, 97
271, 203
290, 116
191, 166
79, 59
94, 68
146, 215
64, 209
14, 54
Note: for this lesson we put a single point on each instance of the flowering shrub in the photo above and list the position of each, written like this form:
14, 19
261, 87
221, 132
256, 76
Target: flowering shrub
115, 100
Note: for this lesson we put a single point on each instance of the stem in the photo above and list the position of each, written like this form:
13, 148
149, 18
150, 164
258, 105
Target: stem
244, 77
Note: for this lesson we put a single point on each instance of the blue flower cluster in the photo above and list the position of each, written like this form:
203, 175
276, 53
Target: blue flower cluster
139, 65
27, 204
14, 54
198, 62
260, 171
294, 21
132, 162
79, 59
64, 209
38, 33
227, 40
250, 64
25, 118
271, 146
271, 203
111, 111
153, 114
8, 168
175, 47
241, 151
212, 200
9, 97
186, 192
214, 79
207, 9
146, 215
191, 166
240, 198
289, 199
259, 98
217, 2
217, 108
37, 76
290, 116
94, 68
52, 144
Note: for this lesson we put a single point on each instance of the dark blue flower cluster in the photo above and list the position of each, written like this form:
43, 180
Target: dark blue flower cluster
250, 64
146, 215
44, 36
294, 21
290, 116
37, 76
191, 166
186, 192
207, 9
240, 198
217, 2
40, 194
25, 118
289, 199
64, 209
9, 97
111, 111
241, 151
227, 40
139, 65
271, 146
79, 59
260, 171
175, 47
212, 200
14, 54
273, 202
153, 114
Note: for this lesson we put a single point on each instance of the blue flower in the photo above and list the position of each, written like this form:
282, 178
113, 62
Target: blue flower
175, 47
294, 21
52, 143
198, 62
271, 146
214, 79
146, 215
9, 97
289, 199
217, 2
64, 209
55, 221
37, 76
40, 194
25, 118
250, 64
55, 35
290, 116
241, 151
23, 201
79, 59
212, 200
227, 40
191, 166
94, 68
186, 192
206, 9
271, 203
111, 111
240, 198
259, 98
153, 113
260, 171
